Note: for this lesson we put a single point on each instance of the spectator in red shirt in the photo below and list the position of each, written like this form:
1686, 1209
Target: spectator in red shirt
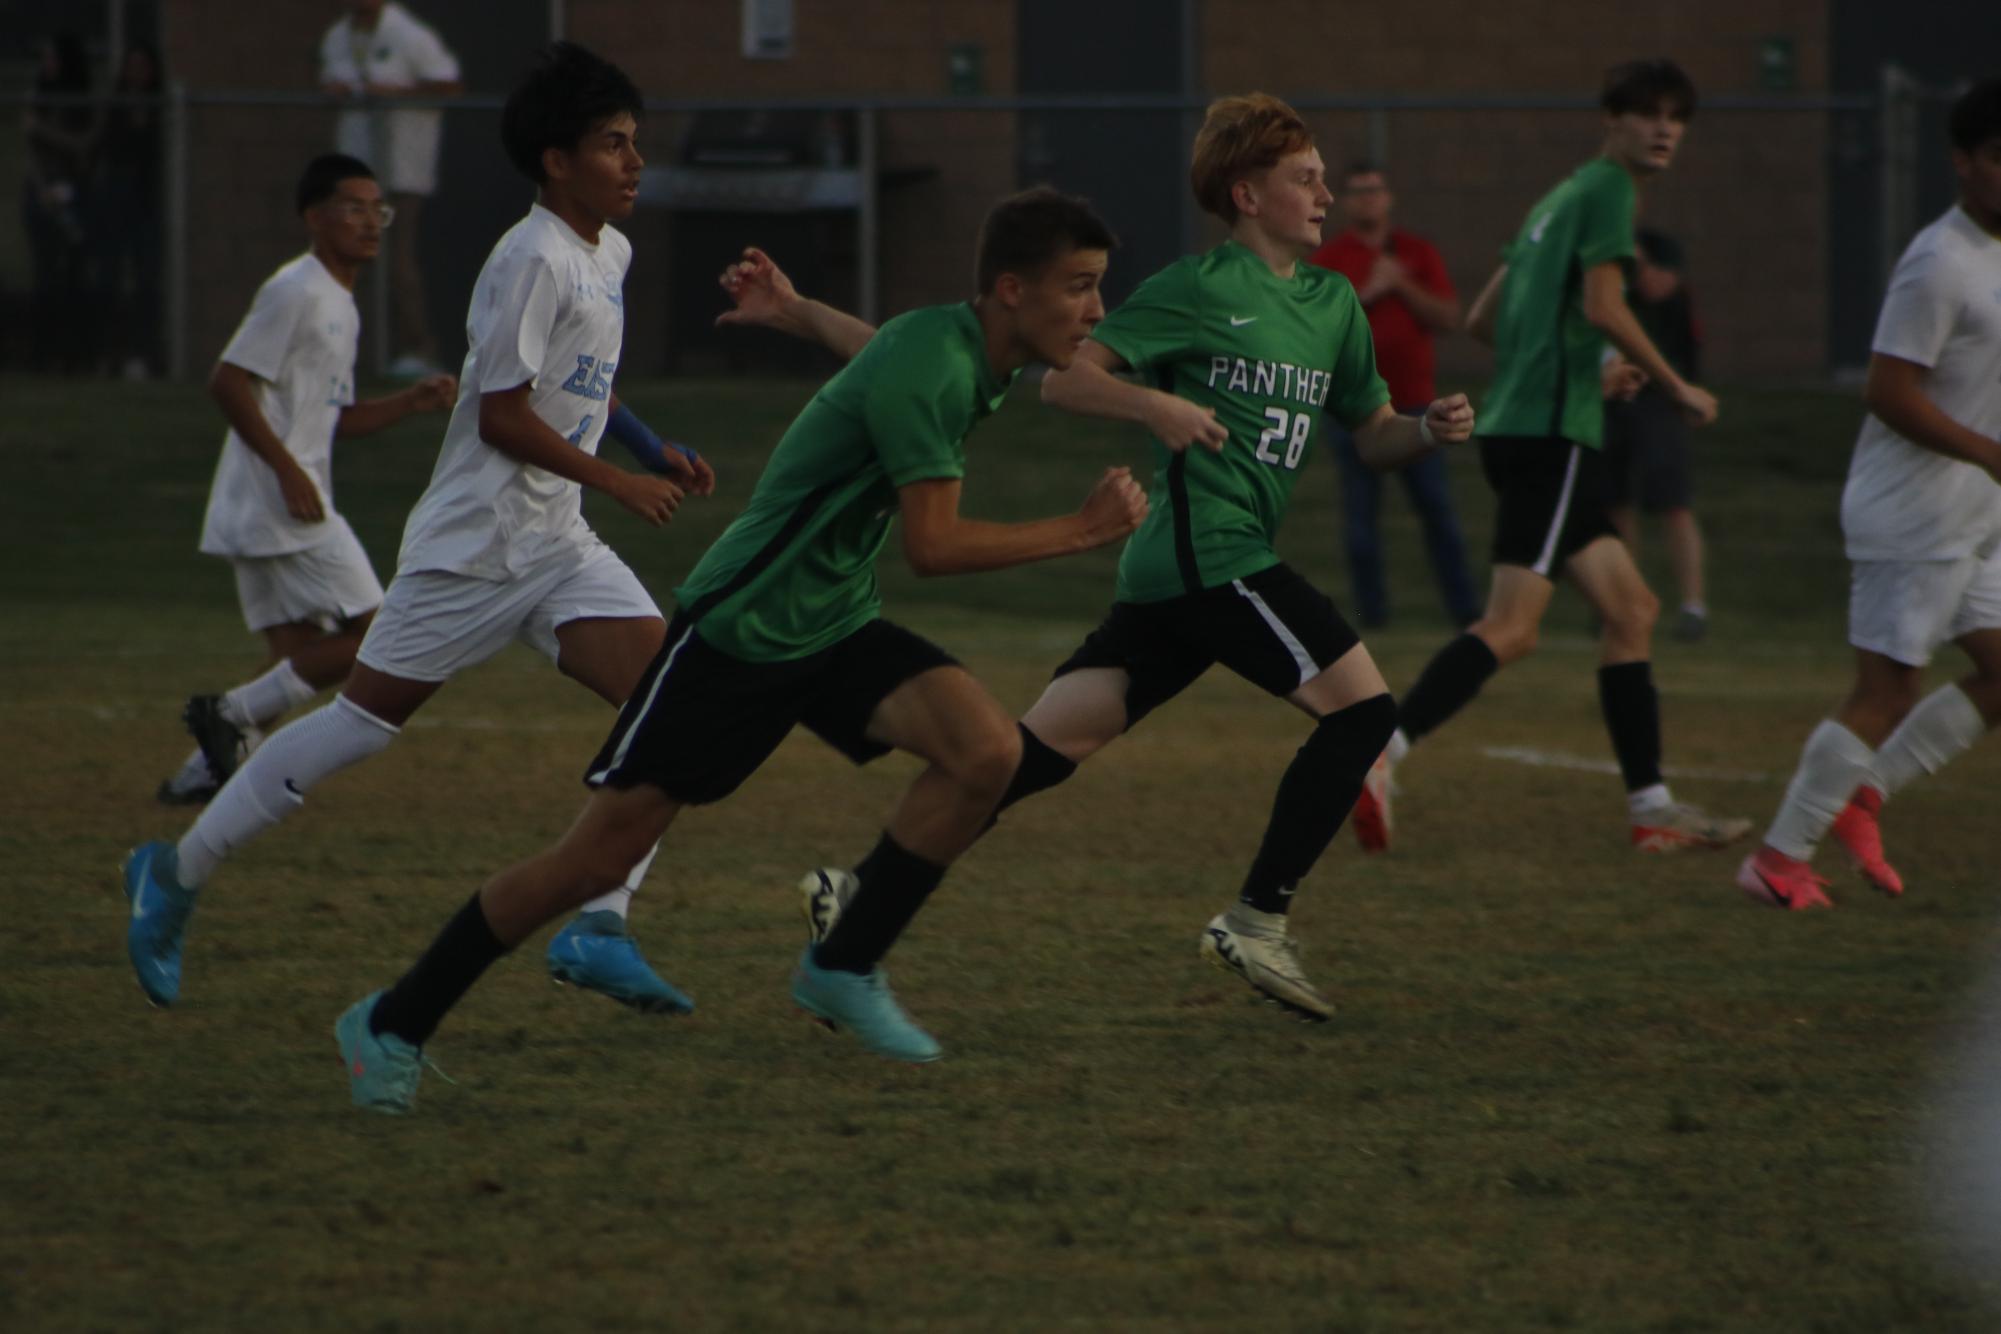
1408, 296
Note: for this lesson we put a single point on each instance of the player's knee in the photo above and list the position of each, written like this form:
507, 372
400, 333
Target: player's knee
986, 763
1510, 642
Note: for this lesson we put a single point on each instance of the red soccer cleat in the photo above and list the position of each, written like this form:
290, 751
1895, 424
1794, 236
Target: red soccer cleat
1856, 830
1371, 816
1773, 878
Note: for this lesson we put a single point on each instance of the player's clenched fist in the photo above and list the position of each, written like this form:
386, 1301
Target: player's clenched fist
1450, 419
1115, 506
653, 499
434, 393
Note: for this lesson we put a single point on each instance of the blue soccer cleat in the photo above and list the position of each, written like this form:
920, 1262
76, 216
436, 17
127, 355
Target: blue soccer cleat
596, 952
382, 1069
862, 1003
160, 909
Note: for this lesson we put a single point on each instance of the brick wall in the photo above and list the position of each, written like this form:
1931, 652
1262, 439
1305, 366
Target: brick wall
1748, 197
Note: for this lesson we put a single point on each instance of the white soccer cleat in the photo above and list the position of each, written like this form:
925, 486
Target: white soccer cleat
1257, 947
823, 894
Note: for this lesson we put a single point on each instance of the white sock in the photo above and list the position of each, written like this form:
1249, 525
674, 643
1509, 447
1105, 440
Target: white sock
1833, 765
1943, 724
1399, 747
620, 899
1648, 800
268, 698
1695, 608
273, 782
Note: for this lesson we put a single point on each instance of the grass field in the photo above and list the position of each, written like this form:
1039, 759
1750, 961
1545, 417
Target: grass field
1568, 1089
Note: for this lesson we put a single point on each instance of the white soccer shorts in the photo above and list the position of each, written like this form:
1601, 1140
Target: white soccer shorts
435, 624
1905, 609
325, 584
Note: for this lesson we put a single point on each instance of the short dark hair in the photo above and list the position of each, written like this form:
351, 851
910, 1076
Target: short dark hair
323, 176
1976, 116
1362, 166
1659, 249
1645, 86
558, 101
1023, 233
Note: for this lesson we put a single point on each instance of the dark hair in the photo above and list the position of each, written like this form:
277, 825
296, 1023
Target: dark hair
72, 66
1644, 86
1023, 233
1659, 249
1976, 116
555, 104
323, 176
1362, 166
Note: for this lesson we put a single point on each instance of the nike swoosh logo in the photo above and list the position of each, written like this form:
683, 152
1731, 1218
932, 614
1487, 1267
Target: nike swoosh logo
1238, 323
293, 788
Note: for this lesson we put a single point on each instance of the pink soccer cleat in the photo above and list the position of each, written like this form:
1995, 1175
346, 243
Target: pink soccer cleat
1773, 878
1856, 830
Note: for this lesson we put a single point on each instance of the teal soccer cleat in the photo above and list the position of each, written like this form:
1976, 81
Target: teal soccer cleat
160, 909
862, 1003
382, 1069
596, 952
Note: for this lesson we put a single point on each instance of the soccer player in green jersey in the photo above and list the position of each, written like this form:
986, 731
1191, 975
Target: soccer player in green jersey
1241, 349
780, 624
1549, 310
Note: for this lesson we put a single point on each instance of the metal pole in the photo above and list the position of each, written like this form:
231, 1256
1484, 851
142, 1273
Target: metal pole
556, 20
1191, 121
869, 220
1379, 136
177, 230
1895, 168
114, 36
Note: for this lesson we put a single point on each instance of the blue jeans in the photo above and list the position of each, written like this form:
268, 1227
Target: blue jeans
1431, 496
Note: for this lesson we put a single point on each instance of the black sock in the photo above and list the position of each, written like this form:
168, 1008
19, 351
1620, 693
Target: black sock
1315, 796
1448, 684
1040, 768
894, 884
413, 1008
1633, 717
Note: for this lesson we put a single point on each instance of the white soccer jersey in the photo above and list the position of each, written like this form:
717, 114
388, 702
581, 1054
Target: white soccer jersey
401, 52
1943, 311
299, 341
548, 310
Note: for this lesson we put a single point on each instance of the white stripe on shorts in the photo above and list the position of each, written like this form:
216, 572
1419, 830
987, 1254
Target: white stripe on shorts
1308, 669
1542, 562
632, 724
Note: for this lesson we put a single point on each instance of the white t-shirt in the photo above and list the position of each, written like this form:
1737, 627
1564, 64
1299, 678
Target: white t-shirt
1943, 312
402, 52
299, 341
548, 310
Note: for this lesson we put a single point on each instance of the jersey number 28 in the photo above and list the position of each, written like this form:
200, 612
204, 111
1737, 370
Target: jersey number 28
1292, 428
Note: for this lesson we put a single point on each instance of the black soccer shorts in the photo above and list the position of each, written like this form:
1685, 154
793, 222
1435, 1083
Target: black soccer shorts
702, 721
1272, 628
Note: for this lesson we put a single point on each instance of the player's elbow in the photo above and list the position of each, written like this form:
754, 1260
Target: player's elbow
928, 556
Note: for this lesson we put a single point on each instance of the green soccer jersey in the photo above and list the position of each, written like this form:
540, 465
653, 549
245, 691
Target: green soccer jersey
1546, 353
1268, 354
795, 572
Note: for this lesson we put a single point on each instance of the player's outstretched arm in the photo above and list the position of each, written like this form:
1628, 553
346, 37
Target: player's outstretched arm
234, 391
1090, 389
1895, 393
1605, 306
937, 540
1388, 439
507, 422
433, 393
762, 295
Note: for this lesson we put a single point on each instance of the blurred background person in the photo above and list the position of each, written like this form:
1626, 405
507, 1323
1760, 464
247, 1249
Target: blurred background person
58, 130
383, 51
127, 207
1408, 297
1646, 436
